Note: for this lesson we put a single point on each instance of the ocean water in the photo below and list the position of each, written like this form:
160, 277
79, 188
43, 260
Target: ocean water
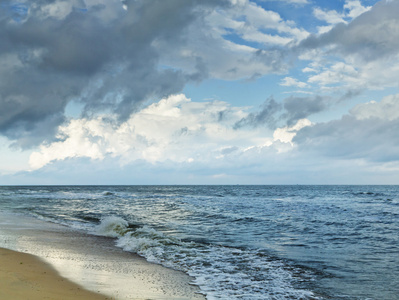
241, 242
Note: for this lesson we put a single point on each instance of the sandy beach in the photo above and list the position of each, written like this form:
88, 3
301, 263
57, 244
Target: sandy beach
24, 276
66, 264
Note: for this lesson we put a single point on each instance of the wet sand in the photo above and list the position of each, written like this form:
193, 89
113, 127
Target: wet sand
92, 262
24, 276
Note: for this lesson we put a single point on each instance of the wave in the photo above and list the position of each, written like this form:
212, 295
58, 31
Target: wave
107, 193
111, 227
220, 272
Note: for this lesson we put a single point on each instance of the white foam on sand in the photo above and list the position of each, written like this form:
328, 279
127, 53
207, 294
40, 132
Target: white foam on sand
94, 262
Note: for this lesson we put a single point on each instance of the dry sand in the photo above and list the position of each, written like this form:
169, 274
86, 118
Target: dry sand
24, 276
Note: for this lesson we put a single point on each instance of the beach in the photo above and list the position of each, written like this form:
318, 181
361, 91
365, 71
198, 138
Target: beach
24, 276
55, 262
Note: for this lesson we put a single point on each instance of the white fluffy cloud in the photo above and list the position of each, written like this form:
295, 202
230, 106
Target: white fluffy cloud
336, 73
351, 10
174, 129
180, 131
354, 8
286, 134
289, 81
355, 73
387, 109
330, 17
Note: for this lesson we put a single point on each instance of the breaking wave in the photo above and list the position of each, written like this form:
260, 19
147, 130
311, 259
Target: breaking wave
220, 272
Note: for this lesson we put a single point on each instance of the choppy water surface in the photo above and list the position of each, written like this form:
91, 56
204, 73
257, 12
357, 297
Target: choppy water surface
242, 242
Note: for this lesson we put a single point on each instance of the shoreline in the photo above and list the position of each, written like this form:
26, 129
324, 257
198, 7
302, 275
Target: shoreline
93, 263
25, 276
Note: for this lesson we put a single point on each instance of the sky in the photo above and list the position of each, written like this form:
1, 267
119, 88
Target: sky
199, 92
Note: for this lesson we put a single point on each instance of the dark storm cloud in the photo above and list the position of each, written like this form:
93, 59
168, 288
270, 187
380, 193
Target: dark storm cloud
372, 36
297, 108
103, 61
266, 116
292, 109
302, 107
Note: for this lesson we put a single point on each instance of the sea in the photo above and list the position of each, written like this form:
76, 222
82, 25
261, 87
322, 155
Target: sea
240, 241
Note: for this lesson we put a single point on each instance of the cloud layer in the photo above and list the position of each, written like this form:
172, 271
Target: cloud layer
175, 129
331, 86
178, 134
113, 56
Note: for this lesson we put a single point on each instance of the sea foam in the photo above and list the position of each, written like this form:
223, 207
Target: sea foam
221, 272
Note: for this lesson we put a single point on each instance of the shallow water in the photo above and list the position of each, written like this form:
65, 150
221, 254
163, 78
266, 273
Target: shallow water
242, 242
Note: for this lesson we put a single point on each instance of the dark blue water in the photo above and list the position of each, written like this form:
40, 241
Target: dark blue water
242, 242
